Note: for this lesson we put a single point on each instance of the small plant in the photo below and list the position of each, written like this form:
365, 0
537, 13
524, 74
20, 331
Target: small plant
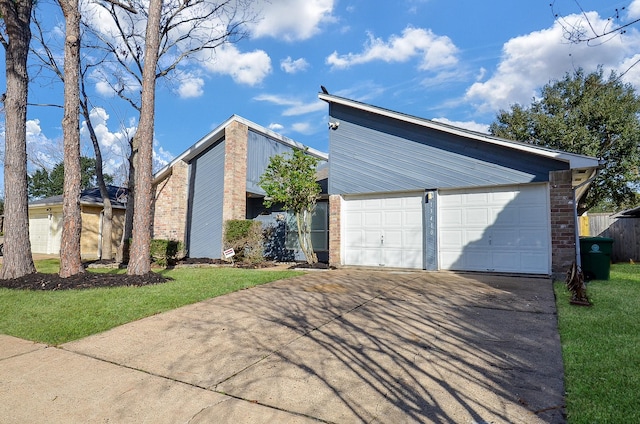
246, 239
166, 252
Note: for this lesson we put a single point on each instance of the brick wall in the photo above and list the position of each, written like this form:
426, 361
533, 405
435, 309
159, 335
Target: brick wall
334, 230
563, 239
235, 172
170, 204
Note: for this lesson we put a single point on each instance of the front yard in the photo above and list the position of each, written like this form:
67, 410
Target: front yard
601, 349
56, 317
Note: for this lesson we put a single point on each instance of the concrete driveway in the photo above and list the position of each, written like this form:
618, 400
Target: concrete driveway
343, 346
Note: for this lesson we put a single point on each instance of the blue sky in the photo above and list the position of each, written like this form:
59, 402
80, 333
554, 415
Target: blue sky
458, 61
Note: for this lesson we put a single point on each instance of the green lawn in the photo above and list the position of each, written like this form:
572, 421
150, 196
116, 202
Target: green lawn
601, 349
55, 317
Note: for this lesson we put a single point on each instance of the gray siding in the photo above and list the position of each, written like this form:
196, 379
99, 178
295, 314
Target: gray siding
259, 149
372, 153
205, 203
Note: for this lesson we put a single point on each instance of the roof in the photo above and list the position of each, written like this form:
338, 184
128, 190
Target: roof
629, 213
215, 135
575, 161
584, 167
90, 197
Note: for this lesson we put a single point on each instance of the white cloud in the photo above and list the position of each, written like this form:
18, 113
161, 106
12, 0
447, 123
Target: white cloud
276, 127
294, 107
191, 87
633, 10
531, 61
469, 125
302, 128
291, 20
434, 51
291, 66
245, 68
161, 157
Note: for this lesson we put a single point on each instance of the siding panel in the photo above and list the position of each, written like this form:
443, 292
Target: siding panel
205, 203
371, 153
260, 149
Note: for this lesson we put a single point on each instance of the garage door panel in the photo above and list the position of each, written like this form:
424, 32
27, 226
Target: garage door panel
392, 219
372, 219
503, 229
384, 231
476, 217
450, 218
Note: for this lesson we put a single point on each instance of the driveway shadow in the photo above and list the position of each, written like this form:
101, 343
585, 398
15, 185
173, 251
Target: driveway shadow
358, 346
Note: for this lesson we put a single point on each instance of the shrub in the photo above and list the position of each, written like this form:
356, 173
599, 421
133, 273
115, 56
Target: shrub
165, 252
245, 237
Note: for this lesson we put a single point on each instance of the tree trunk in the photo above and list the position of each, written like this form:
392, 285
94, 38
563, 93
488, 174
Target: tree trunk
122, 256
17, 260
70, 260
107, 217
304, 237
140, 262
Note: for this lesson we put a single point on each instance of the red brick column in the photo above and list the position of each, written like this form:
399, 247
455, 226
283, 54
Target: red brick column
334, 230
235, 172
563, 225
170, 204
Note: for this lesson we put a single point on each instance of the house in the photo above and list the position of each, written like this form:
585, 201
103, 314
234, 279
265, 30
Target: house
45, 222
409, 192
216, 180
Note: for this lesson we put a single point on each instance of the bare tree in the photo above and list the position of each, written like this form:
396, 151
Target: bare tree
15, 38
184, 29
585, 31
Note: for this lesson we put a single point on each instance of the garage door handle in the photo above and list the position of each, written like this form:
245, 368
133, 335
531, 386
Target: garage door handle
381, 239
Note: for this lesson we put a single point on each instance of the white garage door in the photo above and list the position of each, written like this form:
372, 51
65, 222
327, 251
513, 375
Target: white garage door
39, 233
383, 231
497, 230
45, 232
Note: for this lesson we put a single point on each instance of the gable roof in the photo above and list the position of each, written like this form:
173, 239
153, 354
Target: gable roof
583, 167
90, 197
215, 135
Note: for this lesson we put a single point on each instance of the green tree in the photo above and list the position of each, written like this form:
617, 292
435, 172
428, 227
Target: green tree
45, 184
585, 114
290, 179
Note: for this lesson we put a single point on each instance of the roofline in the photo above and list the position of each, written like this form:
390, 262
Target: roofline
82, 203
202, 144
575, 161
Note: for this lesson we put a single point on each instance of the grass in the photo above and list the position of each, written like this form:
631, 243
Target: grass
601, 349
55, 317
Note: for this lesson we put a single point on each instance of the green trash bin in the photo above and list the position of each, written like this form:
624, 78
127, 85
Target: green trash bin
595, 254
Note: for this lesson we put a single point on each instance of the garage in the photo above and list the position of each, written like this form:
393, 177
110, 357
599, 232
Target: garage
488, 204
383, 230
496, 229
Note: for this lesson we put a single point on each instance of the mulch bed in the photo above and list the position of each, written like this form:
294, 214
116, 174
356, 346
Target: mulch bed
85, 280
89, 280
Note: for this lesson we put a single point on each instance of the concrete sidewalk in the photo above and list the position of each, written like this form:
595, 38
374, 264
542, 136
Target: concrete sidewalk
340, 347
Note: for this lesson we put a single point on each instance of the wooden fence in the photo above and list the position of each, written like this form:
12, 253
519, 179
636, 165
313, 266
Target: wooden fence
625, 233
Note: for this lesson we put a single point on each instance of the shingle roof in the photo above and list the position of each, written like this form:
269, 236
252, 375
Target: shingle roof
91, 196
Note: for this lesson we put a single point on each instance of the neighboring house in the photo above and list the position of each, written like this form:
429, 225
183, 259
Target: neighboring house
408, 192
216, 180
45, 222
